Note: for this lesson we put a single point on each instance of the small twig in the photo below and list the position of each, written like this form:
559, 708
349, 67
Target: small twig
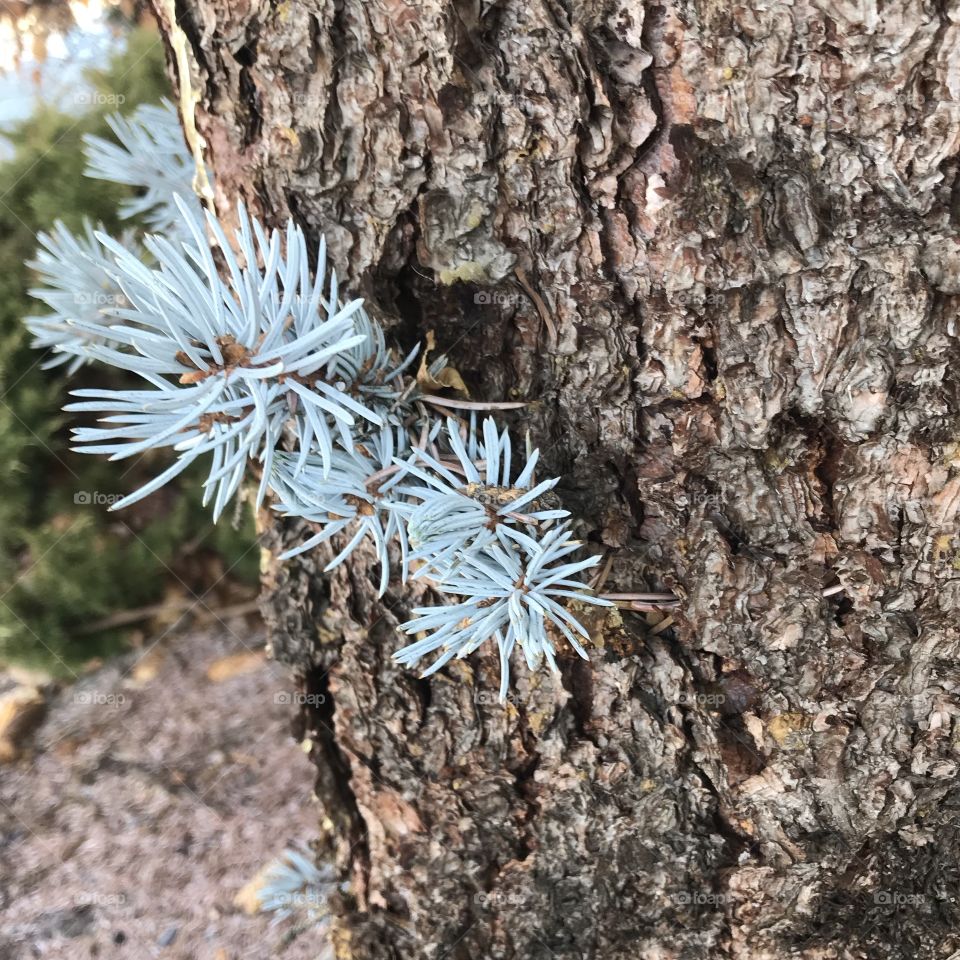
639, 607
539, 304
405, 392
455, 466
376, 478
424, 437
523, 518
188, 102
123, 618
647, 597
473, 404
657, 600
601, 578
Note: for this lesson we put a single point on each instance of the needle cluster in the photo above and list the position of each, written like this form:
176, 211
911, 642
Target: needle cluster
249, 358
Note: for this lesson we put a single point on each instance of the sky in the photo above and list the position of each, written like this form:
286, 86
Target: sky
59, 77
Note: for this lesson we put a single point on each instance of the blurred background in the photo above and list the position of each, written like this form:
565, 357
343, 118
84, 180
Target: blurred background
150, 790
78, 582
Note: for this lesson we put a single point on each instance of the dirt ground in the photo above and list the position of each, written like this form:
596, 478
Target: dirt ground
154, 789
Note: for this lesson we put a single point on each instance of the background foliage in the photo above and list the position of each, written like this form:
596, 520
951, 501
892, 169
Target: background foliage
65, 562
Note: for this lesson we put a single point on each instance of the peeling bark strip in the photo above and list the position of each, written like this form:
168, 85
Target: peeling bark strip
740, 222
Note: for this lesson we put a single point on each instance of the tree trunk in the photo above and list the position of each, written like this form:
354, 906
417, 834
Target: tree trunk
714, 246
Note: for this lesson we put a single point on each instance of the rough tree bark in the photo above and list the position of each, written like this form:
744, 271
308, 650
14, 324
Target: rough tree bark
715, 246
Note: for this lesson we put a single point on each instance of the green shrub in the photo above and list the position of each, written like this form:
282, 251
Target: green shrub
65, 561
